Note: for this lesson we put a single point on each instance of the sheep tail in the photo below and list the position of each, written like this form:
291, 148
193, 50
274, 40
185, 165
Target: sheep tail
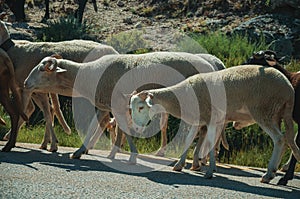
224, 140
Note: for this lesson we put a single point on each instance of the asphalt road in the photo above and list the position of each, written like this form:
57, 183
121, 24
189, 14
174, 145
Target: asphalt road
28, 172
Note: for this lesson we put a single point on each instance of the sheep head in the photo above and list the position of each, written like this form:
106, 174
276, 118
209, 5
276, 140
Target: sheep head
140, 105
265, 58
44, 75
143, 109
49, 64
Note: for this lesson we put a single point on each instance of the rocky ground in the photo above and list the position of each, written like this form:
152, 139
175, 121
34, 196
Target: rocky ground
163, 20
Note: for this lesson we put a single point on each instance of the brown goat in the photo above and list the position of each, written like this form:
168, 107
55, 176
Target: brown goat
269, 58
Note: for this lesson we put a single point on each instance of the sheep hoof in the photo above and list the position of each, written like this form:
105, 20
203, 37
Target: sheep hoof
177, 168
267, 177
195, 168
132, 159
160, 153
208, 175
284, 168
7, 148
111, 156
43, 147
282, 181
75, 156
86, 152
68, 130
6, 137
53, 150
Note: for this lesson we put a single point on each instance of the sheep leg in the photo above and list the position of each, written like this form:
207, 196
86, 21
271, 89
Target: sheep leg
103, 122
286, 166
14, 117
117, 143
133, 150
42, 100
28, 111
214, 131
59, 114
80, 10
290, 135
279, 144
188, 141
47, 14
92, 134
292, 164
163, 127
202, 133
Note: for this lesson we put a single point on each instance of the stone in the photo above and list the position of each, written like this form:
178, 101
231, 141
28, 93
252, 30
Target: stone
120, 4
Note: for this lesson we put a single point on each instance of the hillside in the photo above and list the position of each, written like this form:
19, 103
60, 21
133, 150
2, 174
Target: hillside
163, 20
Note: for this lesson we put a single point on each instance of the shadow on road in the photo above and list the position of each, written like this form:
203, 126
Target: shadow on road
27, 157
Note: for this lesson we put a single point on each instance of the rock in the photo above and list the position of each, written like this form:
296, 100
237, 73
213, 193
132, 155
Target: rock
128, 20
120, 4
280, 31
138, 25
288, 7
292, 3
283, 47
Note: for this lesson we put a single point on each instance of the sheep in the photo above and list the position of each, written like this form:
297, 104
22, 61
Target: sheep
269, 59
25, 55
154, 65
17, 7
7, 82
267, 107
217, 65
78, 13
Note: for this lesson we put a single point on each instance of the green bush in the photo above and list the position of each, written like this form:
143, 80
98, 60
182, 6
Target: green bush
129, 42
64, 28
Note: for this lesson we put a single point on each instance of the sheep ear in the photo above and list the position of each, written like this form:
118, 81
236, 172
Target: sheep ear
150, 95
50, 66
271, 62
143, 95
128, 96
149, 101
60, 70
57, 56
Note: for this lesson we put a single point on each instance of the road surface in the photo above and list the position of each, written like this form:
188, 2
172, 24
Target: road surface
28, 172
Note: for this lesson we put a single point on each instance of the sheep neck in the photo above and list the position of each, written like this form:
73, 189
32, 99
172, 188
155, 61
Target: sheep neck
283, 71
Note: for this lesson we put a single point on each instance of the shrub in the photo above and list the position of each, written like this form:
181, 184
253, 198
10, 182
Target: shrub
64, 28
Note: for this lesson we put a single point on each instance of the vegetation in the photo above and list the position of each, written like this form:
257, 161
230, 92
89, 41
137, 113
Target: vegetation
63, 28
245, 144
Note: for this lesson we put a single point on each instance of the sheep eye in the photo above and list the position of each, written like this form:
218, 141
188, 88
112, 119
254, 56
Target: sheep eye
141, 108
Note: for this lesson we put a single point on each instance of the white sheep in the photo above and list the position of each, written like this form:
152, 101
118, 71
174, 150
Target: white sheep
164, 68
25, 55
250, 98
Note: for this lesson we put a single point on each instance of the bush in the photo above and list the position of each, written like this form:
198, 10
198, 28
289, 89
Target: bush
129, 42
64, 28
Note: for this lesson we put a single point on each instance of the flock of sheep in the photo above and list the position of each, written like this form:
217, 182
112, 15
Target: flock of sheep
195, 88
